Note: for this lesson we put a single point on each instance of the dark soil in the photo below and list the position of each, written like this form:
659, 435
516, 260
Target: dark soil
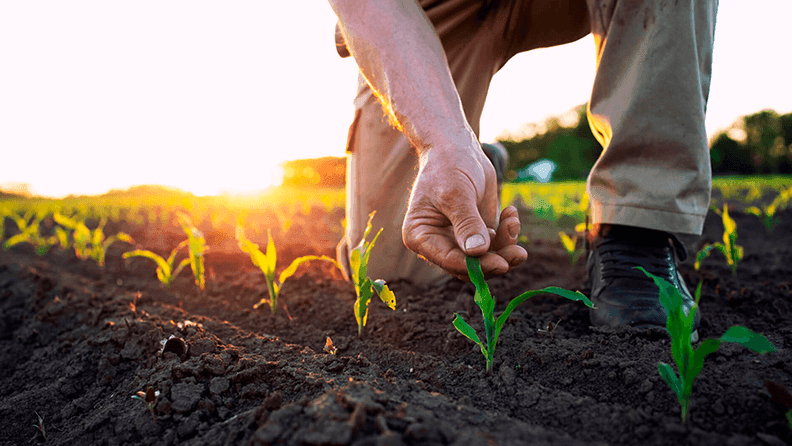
77, 341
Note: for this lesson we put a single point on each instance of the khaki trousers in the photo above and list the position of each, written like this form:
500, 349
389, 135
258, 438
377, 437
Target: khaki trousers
647, 109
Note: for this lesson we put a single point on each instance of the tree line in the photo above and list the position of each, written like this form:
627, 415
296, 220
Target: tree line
760, 143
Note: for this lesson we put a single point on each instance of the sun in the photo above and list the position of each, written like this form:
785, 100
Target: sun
231, 182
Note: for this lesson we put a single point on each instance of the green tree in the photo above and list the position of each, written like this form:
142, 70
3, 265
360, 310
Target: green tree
572, 147
729, 157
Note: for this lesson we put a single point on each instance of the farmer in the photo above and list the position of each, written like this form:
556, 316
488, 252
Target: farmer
413, 154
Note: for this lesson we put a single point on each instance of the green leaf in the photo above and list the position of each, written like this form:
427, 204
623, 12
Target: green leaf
175, 251
483, 298
292, 268
272, 255
571, 295
354, 264
15, 240
63, 237
706, 348
753, 210
468, 332
163, 277
179, 268
668, 375
569, 243
64, 221
256, 256
701, 255
361, 304
367, 254
368, 227
161, 263
97, 236
748, 339
384, 293
729, 225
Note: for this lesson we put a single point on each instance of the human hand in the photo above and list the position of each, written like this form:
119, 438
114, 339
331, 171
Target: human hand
453, 212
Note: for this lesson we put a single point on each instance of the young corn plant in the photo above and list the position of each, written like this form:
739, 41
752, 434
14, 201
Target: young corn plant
4, 212
28, 226
729, 248
485, 301
690, 362
100, 243
267, 263
364, 286
570, 244
88, 244
166, 273
197, 246
767, 213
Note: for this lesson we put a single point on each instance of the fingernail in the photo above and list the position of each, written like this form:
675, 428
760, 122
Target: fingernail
514, 231
474, 241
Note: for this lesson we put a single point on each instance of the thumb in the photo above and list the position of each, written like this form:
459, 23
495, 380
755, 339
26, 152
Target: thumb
470, 231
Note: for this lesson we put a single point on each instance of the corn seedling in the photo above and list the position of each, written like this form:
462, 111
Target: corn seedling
100, 243
493, 327
88, 244
267, 262
150, 398
364, 286
569, 244
690, 362
4, 212
62, 236
729, 248
196, 243
28, 226
767, 213
40, 426
166, 273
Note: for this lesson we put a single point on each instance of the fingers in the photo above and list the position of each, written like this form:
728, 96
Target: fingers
508, 229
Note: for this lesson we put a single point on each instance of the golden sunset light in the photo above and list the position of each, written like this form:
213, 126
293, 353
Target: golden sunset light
212, 98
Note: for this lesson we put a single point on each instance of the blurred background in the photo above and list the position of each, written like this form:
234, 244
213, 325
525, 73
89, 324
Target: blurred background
234, 98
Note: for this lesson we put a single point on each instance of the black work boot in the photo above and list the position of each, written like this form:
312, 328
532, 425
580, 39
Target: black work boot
624, 295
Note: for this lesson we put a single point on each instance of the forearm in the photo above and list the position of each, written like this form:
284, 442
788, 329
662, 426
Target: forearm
403, 61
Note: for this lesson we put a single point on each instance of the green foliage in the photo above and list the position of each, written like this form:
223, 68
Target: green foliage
493, 327
364, 286
570, 244
758, 143
28, 225
88, 244
690, 362
566, 140
767, 213
197, 246
267, 263
729, 248
166, 273
4, 212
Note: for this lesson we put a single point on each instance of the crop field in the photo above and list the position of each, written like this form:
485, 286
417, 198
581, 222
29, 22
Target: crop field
156, 317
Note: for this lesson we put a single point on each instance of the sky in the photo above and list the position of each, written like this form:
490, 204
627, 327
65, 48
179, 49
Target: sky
212, 97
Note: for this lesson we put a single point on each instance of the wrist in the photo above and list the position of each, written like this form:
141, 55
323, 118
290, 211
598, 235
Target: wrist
462, 144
